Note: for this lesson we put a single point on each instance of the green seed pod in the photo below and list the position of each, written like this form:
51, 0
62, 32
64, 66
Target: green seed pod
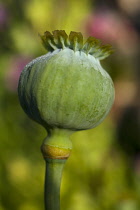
67, 88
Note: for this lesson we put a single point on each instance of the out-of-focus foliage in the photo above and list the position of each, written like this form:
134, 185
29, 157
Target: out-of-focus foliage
101, 173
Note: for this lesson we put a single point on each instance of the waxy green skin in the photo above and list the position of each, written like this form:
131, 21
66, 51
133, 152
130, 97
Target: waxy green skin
66, 89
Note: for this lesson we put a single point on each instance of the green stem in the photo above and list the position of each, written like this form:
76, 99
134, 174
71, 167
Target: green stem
56, 149
54, 168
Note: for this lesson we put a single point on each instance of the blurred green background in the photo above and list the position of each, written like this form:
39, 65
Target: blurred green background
103, 171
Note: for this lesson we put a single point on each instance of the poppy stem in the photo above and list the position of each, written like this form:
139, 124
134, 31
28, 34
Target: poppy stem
56, 149
54, 168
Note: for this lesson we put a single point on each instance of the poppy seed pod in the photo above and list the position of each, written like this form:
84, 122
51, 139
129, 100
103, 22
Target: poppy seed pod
67, 88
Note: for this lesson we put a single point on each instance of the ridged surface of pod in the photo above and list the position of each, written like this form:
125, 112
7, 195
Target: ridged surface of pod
66, 88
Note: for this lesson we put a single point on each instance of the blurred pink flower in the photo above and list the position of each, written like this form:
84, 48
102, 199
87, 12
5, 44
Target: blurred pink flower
112, 27
16, 65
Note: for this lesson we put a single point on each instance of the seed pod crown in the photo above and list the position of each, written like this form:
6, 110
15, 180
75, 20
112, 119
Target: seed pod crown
60, 40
